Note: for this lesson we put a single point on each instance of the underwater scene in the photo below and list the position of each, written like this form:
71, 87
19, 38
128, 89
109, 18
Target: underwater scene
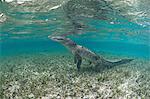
74, 49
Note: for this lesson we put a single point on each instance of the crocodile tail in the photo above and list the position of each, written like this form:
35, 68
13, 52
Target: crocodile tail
123, 61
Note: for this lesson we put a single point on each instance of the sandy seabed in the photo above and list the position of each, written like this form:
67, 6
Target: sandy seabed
50, 76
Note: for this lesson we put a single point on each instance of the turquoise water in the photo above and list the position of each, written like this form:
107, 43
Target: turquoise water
34, 67
27, 32
109, 38
27, 46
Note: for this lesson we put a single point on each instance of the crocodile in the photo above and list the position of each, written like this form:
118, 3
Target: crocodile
81, 52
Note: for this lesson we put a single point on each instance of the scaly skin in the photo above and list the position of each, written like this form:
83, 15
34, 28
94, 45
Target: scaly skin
81, 52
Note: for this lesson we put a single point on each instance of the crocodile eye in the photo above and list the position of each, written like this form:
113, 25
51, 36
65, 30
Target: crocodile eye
60, 39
